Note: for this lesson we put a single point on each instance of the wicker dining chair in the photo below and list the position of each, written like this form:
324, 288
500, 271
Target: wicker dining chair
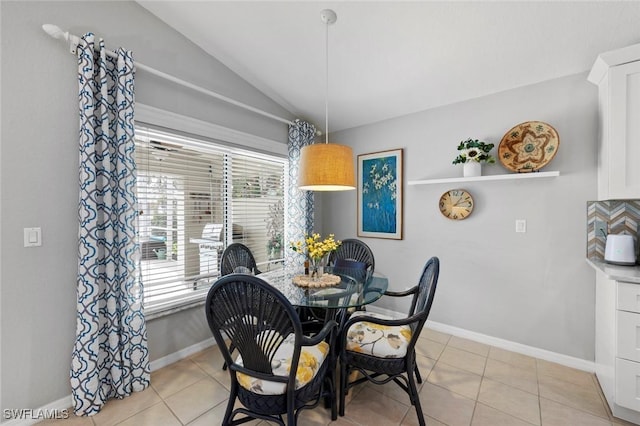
356, 250
353, 254
278, 371
353, 268
237, 258
382, 349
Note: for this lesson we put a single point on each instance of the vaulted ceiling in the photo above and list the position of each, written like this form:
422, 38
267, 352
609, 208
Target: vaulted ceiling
391, 58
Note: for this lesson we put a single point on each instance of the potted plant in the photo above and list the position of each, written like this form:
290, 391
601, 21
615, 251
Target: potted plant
472, 153
275, 230
274, 246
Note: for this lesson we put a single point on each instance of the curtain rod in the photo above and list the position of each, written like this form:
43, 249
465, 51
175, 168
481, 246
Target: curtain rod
55, 32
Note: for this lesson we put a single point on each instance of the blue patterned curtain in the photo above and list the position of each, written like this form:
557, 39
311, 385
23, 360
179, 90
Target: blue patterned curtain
110, 356
299, 209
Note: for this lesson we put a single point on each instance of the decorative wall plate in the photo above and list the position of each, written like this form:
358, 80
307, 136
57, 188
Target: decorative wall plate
528, 147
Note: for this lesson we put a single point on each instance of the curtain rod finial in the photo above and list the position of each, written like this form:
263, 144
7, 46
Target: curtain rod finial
54, 31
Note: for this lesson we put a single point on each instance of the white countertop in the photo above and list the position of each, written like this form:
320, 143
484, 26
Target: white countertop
617, 272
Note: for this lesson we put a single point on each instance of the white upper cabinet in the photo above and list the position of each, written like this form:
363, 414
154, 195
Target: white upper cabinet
617, 74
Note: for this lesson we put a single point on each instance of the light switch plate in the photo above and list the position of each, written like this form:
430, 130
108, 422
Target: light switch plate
521, 225
32, 237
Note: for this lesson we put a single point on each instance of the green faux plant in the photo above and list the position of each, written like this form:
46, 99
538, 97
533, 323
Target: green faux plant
275, 224
474, 150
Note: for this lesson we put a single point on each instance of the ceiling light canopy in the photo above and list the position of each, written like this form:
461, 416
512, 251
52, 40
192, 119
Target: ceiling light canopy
326, 166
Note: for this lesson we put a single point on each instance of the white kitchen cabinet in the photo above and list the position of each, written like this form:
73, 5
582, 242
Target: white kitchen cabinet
627, 384
618, 339
617, 74
628, 335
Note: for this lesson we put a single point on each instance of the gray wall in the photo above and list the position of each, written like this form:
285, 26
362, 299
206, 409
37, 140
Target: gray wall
533, 288
39, 172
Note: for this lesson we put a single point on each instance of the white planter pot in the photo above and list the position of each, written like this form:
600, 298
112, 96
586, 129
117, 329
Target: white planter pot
471, 169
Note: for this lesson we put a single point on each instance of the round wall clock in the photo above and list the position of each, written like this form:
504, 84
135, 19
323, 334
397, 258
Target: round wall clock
456, 204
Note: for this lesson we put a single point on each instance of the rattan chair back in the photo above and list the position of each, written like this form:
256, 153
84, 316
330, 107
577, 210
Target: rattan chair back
351, 268
254, 316
238, 258
426, 288
354, 250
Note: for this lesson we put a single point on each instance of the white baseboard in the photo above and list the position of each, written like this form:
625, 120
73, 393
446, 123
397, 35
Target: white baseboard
566, 360
181, 354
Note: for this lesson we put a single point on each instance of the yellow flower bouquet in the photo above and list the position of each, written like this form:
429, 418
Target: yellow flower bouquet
315, 249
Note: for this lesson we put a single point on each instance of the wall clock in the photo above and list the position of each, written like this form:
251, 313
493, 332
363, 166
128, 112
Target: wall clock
456, 204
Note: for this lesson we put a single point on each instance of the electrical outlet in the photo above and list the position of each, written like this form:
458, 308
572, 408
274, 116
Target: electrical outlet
601, 229
521, 225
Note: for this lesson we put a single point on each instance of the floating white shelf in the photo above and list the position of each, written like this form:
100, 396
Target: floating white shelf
532, 175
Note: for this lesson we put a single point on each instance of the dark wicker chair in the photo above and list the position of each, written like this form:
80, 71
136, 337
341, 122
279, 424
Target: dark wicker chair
358, 270
237, 258
248, 313
353, 254
363, 346
354, 250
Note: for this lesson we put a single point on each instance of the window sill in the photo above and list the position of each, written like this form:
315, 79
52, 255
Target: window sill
178, 306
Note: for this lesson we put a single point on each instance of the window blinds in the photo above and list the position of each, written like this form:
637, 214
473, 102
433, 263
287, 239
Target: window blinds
195, 197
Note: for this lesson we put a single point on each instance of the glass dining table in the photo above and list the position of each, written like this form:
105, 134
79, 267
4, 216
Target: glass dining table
349, 292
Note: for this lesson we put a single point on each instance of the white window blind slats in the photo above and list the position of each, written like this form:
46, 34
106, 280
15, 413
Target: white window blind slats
194, 198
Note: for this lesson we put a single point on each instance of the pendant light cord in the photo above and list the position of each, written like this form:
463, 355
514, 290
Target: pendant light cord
326, 89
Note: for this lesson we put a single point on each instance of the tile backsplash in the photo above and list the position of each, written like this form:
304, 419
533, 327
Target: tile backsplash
610, 217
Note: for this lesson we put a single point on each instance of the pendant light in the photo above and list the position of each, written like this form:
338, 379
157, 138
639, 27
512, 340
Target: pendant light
326, 166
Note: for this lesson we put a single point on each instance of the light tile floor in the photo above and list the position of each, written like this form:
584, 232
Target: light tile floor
466, 383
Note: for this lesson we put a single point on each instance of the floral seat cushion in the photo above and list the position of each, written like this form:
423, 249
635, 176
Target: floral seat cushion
378, 340
311, 359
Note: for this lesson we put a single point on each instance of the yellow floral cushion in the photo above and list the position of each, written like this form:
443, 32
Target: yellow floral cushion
378, 340
311, 358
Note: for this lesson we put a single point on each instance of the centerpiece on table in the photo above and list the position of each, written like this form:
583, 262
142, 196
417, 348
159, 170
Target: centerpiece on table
472, 153
316, 251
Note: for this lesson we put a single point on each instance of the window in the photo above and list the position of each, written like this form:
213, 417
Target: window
195, 197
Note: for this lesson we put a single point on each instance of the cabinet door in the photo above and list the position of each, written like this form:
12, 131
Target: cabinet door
628, 384
628, 336
628, 297
624, 131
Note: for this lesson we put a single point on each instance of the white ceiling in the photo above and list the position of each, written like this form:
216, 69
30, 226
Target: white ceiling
390, 58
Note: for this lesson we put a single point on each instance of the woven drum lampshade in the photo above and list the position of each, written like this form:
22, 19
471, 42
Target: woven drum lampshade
326, 167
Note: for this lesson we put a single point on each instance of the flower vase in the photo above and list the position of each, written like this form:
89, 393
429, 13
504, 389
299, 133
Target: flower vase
316, 267
471, 169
